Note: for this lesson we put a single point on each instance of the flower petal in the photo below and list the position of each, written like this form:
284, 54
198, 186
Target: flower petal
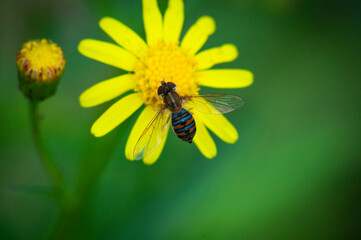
210, 57
153, 22
142, 122
106, 90
116, 114
198, 34
107, 53
123, 35
203, 139
218, 124
225, 78
173, 21
153, 156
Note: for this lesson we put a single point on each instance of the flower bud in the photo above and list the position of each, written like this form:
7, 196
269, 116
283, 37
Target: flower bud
40, 65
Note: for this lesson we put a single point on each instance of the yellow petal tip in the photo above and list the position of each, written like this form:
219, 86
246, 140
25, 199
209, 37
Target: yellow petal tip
148, 162
104, 21
96, 131
232, 141
96, 134
210, 23
130, 158
231, 51
82, 101
83, 45
211, 156
250, 79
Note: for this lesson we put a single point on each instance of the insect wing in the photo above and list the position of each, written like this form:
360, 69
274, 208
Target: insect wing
153, 134
216, 103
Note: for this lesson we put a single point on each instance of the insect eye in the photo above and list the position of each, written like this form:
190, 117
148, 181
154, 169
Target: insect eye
170, 85
161, 90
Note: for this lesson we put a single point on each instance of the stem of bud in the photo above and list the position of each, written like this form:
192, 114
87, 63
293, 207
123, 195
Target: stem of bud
55, 174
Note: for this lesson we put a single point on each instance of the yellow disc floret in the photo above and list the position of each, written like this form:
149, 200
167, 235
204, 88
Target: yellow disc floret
165, 61
40, 61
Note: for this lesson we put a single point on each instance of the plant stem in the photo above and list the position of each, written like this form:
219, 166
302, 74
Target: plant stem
74, 220
55, 174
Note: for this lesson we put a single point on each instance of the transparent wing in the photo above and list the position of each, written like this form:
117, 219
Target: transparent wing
153, 134
215, 103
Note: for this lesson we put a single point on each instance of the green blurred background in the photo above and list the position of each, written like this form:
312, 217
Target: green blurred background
294, 173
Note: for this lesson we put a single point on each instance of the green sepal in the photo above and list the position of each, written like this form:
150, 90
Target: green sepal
35, 90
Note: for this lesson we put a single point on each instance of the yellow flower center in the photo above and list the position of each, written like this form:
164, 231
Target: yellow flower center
165, 61
41, 60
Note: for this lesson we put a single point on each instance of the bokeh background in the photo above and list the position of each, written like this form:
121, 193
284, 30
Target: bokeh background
294, 173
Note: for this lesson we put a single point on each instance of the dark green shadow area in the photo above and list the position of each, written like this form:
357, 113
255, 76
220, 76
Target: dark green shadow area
294, 173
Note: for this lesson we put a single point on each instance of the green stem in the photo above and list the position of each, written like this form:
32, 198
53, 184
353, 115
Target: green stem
75, 216
55, 174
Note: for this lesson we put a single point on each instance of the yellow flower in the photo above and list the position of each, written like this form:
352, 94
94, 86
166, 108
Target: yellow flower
40, 65
161, 57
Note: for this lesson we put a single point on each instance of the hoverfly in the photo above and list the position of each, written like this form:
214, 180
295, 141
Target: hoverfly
183, 123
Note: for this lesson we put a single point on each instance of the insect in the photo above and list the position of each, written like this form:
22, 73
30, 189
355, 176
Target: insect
182, 121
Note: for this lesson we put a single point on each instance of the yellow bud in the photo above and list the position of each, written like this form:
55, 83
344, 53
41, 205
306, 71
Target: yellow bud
40, 64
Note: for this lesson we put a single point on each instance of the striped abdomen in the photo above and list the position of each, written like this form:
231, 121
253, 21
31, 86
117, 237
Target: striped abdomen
184, 125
